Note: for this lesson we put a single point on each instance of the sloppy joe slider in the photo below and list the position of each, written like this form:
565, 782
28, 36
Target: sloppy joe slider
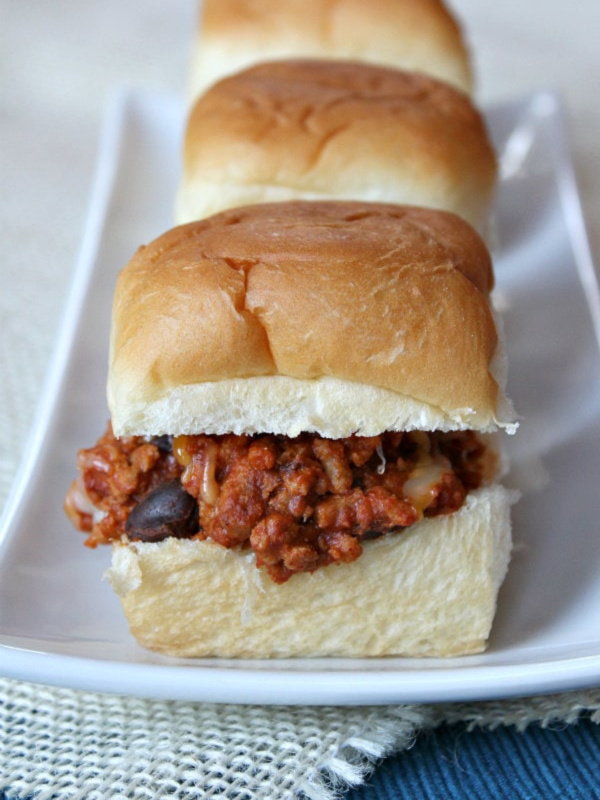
343, 130
301, 455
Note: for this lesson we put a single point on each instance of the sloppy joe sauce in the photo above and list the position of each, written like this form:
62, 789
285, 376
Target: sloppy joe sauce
300, 503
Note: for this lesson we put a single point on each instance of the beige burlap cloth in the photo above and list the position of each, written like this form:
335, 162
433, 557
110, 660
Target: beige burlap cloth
57, 743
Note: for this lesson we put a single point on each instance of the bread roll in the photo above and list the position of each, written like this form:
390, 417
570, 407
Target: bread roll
317, 129
333, 317
418, 35
428, 591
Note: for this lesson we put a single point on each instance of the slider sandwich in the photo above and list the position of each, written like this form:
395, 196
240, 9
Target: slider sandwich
417, 35
344, 130
302, 458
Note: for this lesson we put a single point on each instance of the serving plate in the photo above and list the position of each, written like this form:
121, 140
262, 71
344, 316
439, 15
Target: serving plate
61, 624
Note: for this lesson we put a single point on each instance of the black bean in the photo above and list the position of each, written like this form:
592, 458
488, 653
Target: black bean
164, 442
370, 535
166, 511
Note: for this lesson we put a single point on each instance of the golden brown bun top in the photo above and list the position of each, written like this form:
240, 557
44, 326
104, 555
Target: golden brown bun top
378, 295
336, 130
411, 34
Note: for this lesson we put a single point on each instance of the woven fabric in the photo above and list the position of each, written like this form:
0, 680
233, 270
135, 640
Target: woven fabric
456, 763
57, 744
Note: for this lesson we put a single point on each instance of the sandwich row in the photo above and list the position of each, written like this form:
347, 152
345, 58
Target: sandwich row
306, 374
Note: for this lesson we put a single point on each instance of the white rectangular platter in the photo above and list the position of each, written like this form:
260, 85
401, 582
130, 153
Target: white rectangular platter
61, 624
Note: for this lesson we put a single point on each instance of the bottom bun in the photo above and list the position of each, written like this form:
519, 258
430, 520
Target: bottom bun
430, 591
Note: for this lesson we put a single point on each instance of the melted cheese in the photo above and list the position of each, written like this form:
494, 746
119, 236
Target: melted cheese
209, 490
420, 486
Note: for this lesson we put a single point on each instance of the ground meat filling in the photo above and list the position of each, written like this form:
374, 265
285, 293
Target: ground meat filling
300, 503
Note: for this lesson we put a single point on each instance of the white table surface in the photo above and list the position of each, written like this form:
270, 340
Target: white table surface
59, 63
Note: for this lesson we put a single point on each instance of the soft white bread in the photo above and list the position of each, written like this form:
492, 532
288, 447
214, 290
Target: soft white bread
317, 129
420, 35
428, 591
339, 318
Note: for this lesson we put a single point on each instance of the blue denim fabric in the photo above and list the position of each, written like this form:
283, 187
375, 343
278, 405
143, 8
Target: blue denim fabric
454, 764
